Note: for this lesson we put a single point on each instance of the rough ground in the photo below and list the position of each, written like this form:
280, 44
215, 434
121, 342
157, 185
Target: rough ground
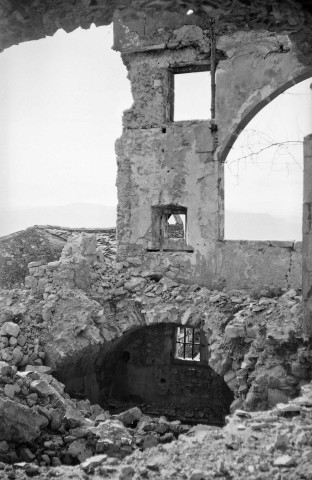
68, 307
276, 444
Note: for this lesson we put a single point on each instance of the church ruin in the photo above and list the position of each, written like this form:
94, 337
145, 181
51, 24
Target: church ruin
181, 322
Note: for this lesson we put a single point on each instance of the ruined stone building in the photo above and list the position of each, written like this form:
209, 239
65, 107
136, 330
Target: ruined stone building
182, 320
177, 168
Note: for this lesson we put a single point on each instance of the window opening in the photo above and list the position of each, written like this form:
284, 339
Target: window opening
169, 229
192, 95
187, 344
264, 170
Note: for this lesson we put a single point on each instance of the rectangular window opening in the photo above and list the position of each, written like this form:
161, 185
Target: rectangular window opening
191, 95
187, 344
169, 229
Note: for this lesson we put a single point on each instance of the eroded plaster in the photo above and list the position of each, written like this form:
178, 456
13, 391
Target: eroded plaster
162, 162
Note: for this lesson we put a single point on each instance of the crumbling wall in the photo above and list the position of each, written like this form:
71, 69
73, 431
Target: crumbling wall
258, 67
151, 374
21, 22
41, 244
262, 266
18, 249
84, 326
174, 167
163, 164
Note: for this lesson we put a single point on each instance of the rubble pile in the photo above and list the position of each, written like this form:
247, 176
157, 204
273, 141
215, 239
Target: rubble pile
256, 343
41, 424
273, 445
149, 431
86, 298
19, 346
41, 243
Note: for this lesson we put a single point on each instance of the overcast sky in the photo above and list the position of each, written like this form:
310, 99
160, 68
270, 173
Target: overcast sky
271, 182
61, 106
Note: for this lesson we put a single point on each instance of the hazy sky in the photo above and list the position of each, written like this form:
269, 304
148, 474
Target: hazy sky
271, 182
61, 106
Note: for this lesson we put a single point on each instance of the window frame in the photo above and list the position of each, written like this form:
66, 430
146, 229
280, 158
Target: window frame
179, 70
188, 361
160, 241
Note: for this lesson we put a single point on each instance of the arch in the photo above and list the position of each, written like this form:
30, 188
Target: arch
237, 128
141, 368
24, 22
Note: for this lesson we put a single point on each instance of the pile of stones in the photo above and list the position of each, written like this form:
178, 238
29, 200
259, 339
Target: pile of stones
19, 347
244, 333
148, 431
255, 344
41, 424
267, 445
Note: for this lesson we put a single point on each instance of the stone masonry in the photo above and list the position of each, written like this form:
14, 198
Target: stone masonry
163, 164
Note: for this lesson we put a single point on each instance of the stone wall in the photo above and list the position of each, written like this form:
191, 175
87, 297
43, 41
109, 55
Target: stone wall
171, 168
22, 21
307, 235
86, 309
260, 51
263, 267
164, 164
21, 248
152, 375
140, 368
40, 244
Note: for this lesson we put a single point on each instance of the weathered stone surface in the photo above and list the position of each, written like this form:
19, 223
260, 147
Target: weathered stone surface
26, 455
133, 284
84, 304
73, 418
150, 441
158, 169
81, 325
80, 450
130, 416
5, 368
113, 438
285, 461
19, 249
41, 387
4, 447
9, 391
92, 462
307, 236
57, 416
10, 328
19, 423
23, 24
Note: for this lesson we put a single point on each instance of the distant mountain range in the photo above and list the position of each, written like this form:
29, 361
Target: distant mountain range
260, 226
72, 215
238, 225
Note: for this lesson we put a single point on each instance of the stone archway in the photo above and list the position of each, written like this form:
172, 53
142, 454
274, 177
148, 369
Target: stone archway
140, 368
239, 125
23, 22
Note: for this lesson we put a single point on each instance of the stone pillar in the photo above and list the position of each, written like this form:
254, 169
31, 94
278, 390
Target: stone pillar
307, 236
